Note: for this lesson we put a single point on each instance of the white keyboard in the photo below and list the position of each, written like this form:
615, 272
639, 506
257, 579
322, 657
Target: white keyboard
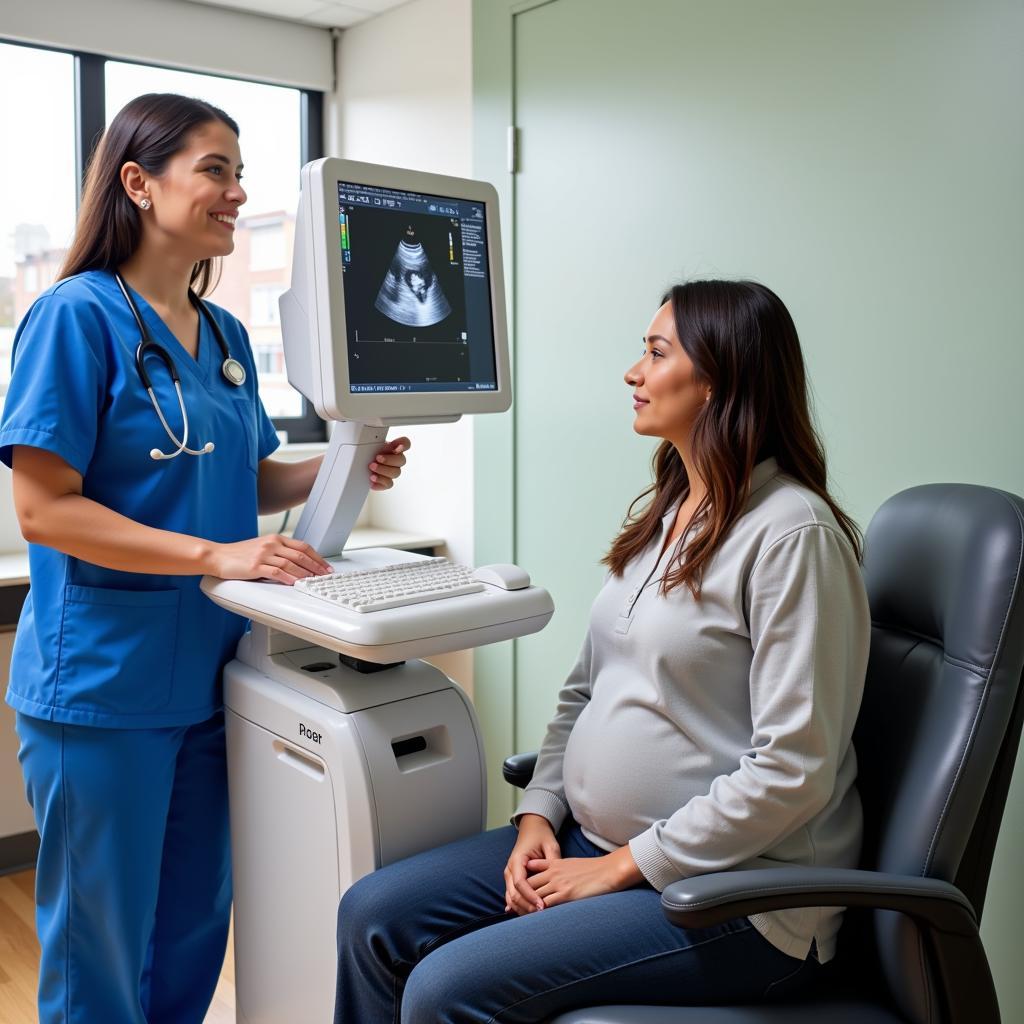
391, 586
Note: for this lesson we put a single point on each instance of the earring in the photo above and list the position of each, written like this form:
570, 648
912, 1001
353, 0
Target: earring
145, 204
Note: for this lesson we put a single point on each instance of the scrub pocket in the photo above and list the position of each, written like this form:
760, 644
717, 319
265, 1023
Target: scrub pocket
117, 650
247, 414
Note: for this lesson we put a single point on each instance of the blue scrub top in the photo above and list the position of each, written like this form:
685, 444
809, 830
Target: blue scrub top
118, 649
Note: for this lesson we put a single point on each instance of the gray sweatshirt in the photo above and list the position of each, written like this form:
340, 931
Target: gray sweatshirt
716, 734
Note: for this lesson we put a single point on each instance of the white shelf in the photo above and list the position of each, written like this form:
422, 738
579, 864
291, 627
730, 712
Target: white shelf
374, 537
14, 569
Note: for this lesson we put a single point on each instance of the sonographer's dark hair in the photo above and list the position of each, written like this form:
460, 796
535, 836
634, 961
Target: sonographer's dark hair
149, 131
743, 344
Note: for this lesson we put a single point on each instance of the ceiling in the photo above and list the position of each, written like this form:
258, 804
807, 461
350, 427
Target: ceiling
322, 13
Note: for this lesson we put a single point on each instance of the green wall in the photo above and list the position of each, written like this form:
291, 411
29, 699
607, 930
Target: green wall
864, 160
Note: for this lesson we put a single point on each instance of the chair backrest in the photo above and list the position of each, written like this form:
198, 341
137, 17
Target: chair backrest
940, 724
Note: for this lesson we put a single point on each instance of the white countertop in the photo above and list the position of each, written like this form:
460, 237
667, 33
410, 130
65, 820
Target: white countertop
14, 566
13, 569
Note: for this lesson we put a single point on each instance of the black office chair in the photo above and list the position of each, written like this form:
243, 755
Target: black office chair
936, 742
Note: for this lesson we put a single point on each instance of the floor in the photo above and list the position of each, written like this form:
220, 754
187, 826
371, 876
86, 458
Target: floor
19, 958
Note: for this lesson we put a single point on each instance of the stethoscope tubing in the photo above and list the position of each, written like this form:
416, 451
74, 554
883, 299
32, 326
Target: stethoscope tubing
232, 371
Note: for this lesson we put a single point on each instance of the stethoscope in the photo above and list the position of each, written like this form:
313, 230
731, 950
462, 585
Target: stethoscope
232, 369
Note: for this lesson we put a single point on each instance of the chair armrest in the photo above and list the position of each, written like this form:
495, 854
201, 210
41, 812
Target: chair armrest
518, 769
705, 900
942, 912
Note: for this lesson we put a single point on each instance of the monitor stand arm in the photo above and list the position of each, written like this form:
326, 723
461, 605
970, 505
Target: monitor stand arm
340, 488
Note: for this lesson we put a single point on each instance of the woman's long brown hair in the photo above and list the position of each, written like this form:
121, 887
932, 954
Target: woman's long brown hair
149, 131
743, 344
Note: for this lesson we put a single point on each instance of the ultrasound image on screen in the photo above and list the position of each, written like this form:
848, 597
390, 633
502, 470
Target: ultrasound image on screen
405, 298
411, 293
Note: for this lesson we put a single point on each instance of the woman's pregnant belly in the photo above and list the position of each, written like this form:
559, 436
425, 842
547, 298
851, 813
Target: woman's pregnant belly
628, 765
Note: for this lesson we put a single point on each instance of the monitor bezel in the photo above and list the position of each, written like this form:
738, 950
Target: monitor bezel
339, 403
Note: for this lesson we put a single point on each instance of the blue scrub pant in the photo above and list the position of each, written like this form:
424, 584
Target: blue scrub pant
133, 883
427, 941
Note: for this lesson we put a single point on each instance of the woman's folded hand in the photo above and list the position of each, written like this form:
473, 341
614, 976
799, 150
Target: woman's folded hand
536, 840
575, 878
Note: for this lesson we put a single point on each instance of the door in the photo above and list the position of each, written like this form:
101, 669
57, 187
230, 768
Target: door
834, 152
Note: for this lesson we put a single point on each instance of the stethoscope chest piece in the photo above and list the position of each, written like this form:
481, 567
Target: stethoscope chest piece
234, 372
231, 369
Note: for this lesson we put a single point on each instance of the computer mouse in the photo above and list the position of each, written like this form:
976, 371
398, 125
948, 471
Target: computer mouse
503, 575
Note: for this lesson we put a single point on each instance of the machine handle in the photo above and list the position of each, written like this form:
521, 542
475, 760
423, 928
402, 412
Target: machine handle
413, 745
300, 760
421, 749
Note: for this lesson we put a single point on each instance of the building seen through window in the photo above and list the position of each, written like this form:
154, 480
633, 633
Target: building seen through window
250, 287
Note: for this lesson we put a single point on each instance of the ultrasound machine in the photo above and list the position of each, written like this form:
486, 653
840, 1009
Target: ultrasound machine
346, 752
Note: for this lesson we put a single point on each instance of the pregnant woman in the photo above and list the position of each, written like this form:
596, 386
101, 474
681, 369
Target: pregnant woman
706, 725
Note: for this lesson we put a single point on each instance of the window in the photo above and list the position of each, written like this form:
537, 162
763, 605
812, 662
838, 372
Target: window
37, 181
73, 96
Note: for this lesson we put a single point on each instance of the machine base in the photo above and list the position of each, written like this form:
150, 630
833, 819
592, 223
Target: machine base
332, 773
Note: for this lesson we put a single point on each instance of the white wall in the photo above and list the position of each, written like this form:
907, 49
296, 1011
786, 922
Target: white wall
404, 97
10, 532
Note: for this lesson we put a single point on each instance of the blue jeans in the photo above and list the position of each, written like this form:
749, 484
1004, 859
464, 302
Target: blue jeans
427, 941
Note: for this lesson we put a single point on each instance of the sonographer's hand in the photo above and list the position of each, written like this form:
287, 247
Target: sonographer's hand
270, 557
387, 464
536, 840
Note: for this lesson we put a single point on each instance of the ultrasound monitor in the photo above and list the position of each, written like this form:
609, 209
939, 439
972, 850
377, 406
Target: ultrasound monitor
396, 313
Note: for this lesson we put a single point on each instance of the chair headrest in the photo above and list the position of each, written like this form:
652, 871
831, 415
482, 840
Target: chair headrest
945, 561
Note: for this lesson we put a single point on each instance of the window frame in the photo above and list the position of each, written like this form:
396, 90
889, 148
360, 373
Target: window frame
89, 74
